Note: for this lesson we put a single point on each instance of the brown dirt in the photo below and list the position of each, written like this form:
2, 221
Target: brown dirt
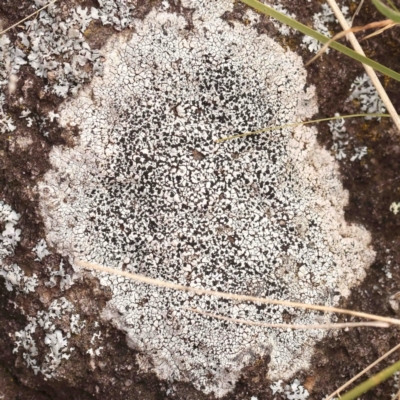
373, 184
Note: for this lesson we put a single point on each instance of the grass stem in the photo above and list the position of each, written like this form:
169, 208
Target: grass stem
320, 37
293, 326
295, 124
365, 370
231, 296
370, 71
371, 382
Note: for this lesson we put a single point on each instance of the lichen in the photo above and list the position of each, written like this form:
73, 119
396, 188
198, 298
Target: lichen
321, 23
340, 137
55, 46
57, 342
6, 122
341, 140
364, 91
65, 280
45, 325
148, 190
16, 278
395, 207
46, 319
10, 235
294, 391
41, 250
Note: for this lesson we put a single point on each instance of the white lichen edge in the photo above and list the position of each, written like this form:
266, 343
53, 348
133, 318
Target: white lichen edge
148, 184
395, 208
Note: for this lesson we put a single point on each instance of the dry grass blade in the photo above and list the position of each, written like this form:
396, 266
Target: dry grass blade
357, 11
348, 383
378, 32
263, 8
237, 297
372, 25
294, 326
295, 124
370, 71
29, 16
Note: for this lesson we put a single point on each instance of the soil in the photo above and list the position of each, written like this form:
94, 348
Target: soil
373, 184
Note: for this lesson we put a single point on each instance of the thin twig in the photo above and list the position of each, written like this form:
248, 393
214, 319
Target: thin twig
371, 73
348, 383
294, 326
357, 11
31, 15
389, 181
238, 297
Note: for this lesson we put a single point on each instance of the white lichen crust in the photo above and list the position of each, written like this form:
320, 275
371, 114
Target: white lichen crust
46, 321
148, 190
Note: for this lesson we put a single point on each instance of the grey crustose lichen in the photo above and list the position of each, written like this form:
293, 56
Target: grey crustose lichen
148, 190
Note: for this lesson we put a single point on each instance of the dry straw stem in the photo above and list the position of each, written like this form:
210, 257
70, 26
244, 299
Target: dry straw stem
357, 11
295, 124
293, 326
379, 31
348, 383
237, 297
371, 73
386, 24
29, 16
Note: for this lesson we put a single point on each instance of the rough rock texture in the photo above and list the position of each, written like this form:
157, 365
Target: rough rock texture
148, 190
100, 367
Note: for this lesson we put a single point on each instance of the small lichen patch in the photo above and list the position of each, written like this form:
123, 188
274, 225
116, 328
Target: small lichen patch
15, 277
294, 391
55, 339
6, 122
148, 190
364, 91
341, 140
41, 250
340, 137
10, 235
65, 280
395, 208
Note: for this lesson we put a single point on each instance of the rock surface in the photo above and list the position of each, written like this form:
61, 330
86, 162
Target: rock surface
128, 174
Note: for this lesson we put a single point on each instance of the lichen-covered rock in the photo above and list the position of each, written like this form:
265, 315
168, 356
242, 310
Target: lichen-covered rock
147, 189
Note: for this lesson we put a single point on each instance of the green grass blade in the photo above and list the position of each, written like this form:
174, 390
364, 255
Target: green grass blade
392, 5
371, 382
387, 11
321, 38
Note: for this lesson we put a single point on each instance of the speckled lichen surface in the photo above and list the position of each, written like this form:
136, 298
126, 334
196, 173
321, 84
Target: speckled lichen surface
148, 190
